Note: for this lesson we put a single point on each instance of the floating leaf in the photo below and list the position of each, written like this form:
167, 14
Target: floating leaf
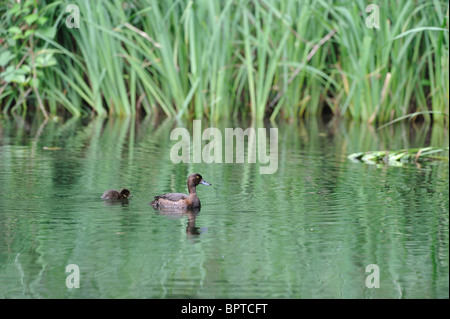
5, 57
34, 83
45, 60
13, 75
398, 158
29, 32
15, 10
11, 42
26, 68
49, 32
42, 20
30, 19
15, 30
19, 78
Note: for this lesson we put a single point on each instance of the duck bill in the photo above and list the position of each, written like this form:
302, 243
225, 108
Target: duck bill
205, 182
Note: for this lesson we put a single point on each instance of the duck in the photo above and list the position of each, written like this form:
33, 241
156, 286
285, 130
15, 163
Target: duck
114, 194
180, 200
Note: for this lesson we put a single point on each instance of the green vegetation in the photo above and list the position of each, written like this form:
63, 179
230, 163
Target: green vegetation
230, 58
401, 157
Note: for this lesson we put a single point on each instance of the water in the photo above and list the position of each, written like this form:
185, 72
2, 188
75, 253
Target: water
308, 231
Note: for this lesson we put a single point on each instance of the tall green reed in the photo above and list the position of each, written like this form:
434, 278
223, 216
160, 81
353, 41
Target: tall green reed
256, 58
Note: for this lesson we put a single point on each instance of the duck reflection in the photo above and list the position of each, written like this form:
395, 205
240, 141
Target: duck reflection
191, 228
114, 202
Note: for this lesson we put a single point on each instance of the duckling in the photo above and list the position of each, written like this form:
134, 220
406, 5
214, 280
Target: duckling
114, 194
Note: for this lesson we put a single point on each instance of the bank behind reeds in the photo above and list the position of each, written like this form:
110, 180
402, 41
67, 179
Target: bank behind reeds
230, 58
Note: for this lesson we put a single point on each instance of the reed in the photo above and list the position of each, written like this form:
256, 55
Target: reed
401, 157
227, 59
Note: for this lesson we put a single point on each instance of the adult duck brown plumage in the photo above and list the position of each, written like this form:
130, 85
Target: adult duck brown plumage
180, 200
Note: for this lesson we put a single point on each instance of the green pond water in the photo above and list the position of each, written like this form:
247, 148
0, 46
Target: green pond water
307, 231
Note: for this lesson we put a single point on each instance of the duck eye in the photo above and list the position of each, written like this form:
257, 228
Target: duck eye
198, 176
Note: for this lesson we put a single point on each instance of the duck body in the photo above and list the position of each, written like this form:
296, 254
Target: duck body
177, 200
115, 194
180, 200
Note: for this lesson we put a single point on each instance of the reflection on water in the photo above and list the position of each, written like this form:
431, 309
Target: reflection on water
190, 214
308, 231
112, 202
